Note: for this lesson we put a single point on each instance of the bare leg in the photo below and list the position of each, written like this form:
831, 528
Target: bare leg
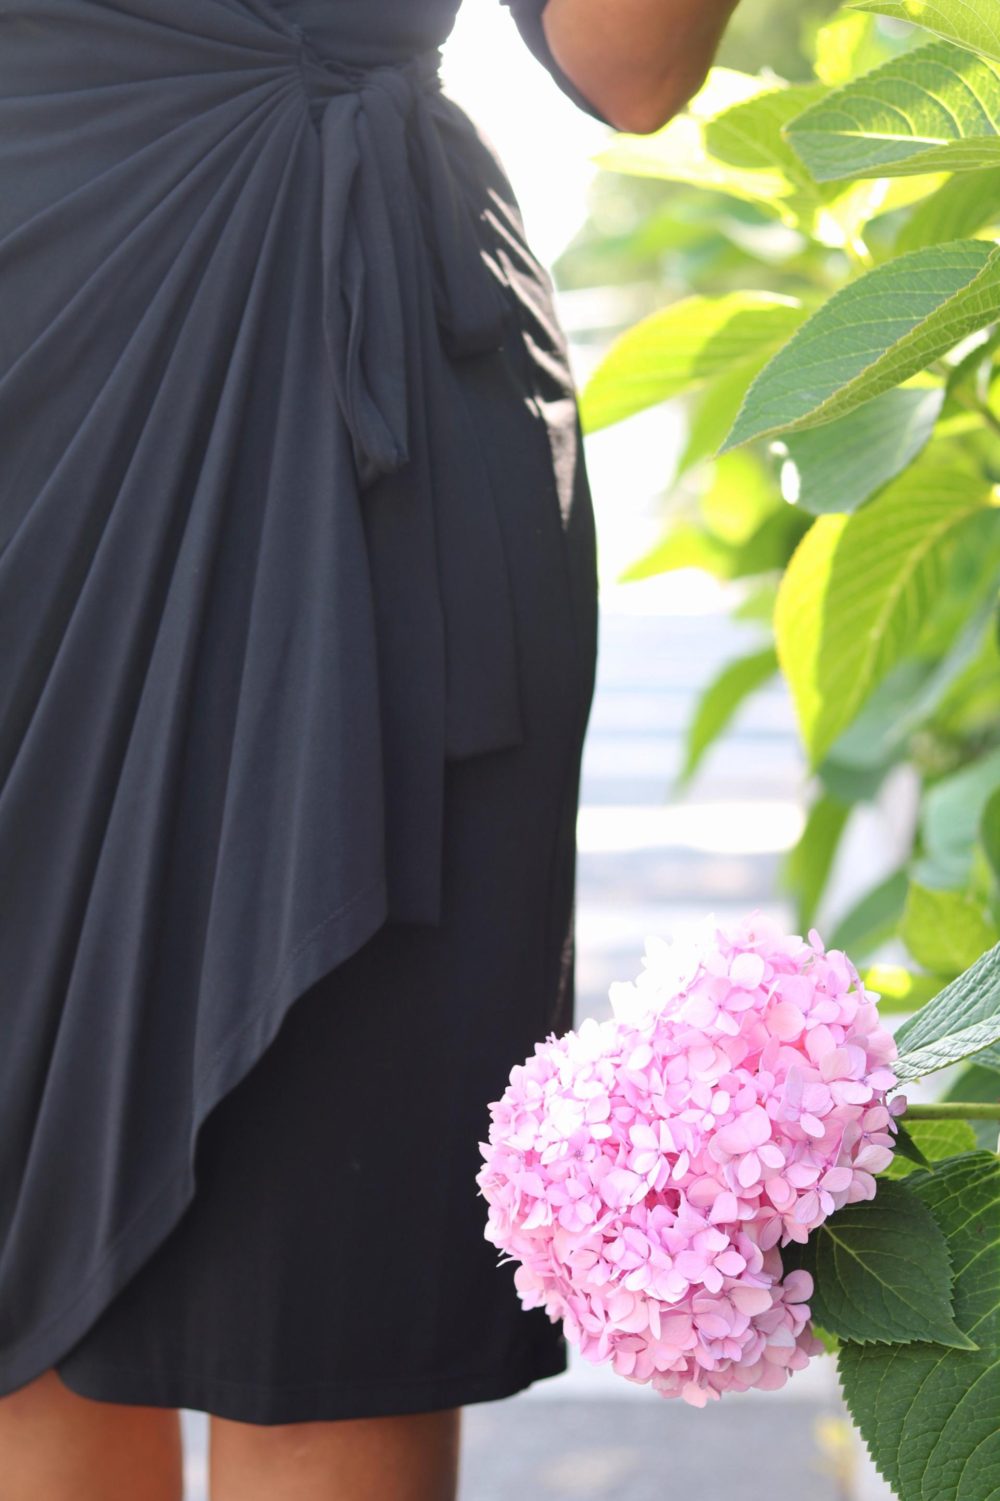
63, 1447
410, 1458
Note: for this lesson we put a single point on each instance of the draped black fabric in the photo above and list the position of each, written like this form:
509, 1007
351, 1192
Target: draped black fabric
259, 284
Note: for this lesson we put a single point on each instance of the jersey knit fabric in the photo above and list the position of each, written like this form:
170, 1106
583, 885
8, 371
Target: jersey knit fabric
298, 616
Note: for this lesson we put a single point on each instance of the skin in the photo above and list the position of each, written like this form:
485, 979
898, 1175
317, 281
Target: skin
638, 61
59, 1445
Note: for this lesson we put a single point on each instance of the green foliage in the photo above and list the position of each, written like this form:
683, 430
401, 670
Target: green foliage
837, 352
928, 1412
857, 589
680, 347
962, 1019
935, 108
881, 1272
840, 465
971, 23
872, 334
935, 1140
719, 703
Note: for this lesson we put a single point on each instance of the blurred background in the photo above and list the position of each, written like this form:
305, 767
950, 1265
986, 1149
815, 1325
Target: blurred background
673, 826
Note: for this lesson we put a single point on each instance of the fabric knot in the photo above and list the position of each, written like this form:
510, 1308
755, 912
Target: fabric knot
387, 178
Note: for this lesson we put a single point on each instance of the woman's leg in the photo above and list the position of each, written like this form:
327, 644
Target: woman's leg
57, 1445
411, 1458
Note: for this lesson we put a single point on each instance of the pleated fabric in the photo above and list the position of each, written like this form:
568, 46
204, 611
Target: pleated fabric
280, 386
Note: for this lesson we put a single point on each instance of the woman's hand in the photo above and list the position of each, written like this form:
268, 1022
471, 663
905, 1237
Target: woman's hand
638, 61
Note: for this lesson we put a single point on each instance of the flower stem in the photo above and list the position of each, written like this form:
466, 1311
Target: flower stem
954, 1110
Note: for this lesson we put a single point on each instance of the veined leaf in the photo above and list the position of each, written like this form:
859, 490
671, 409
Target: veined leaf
928, 1414
881, 1272
856, 590
680, 347
936, 108
962, 1019
720, 701
872, 334
837, 466
970, 23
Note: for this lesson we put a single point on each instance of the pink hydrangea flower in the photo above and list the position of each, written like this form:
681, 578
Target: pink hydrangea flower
645, 1170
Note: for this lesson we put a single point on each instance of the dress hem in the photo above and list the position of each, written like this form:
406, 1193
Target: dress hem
315, 1402
327, 946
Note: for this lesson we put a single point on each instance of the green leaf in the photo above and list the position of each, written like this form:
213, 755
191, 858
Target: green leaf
719, 703
989, 831
806, 867
689, 546
959, 207
730, 139
872, 334
838, 466
846, 46
857, 589
936, 1140
928, 1414
950, 817
907, 1153
682, 346
935, 108
881, 1272
961, 1020
970, 23
873, 918
713, 408
945, 931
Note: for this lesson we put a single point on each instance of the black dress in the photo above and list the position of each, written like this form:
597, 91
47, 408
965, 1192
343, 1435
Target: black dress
298, 619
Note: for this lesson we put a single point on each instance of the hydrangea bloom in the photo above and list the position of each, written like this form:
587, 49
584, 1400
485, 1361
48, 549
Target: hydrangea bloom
645, 1170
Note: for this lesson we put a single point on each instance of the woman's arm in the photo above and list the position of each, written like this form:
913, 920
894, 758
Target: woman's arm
639, 61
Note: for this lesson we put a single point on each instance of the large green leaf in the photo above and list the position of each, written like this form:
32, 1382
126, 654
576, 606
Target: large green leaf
873, 334
970, 23
720, 701
934, 109
681, 346
937, 1140
857, 589
836, 467
945, 931
961, 1020
927, 1413
881, 1272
